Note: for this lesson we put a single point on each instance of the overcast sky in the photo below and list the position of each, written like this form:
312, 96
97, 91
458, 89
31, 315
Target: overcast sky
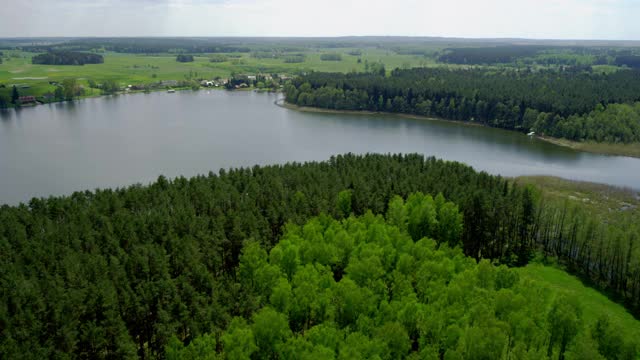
549, 19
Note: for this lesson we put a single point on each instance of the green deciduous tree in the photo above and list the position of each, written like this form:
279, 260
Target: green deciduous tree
238, 341
58, 93
564, 323
71, 88
270, 330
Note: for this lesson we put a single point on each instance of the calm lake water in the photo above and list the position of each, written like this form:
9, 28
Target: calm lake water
115, 141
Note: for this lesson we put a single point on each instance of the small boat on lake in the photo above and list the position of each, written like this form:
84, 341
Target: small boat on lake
531, 133
171, 91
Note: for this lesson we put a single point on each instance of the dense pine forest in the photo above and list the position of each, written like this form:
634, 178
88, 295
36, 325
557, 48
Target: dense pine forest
233, 264
573, 104
540, 55
489, 55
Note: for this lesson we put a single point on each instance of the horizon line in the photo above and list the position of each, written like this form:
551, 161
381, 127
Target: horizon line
315, 37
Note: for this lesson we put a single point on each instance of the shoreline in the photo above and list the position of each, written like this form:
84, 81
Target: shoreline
628, 150
92, 96
134, 92
284, 104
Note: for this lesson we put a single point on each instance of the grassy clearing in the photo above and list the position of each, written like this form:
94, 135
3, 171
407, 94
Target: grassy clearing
594, 303
612, 204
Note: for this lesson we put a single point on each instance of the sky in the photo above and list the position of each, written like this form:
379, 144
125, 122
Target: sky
534, 19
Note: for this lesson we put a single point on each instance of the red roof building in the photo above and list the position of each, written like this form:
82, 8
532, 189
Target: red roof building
27, 99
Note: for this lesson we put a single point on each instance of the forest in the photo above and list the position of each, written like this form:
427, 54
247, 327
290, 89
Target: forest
488, 55
184, 58
541, 55
251, 260
575, 105
394, 288
632, 61
67, 58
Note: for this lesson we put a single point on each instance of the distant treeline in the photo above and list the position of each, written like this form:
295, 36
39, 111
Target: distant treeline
218, 58
488, 55
287, 56
67, 58
294, 58
184, 58
331, 57
632, 61
566, 104
144, 46
265, 54
543, 55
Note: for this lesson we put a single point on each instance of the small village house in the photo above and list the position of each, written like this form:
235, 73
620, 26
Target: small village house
27, 99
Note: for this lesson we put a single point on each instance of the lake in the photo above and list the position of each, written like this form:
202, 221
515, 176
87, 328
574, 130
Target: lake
103, 142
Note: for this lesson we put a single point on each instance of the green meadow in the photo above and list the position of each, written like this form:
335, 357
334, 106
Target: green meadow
610, 204
593, 303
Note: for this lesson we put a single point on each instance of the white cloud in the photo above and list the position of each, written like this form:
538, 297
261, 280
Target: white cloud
576, 19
